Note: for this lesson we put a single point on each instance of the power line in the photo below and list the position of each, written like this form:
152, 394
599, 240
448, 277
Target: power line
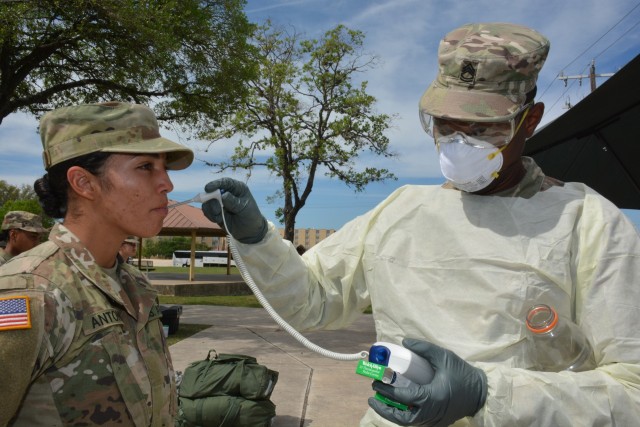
618, 39
593, 44
602, 36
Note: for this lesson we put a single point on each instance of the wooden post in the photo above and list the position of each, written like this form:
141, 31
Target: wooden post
192, 264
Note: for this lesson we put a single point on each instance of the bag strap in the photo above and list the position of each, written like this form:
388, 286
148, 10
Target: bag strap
232, 414
199, 405
229, 418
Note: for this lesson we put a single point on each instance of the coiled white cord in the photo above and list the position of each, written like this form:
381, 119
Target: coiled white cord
263, 301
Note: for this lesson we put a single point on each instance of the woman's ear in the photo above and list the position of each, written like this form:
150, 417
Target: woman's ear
534, 116
82, 182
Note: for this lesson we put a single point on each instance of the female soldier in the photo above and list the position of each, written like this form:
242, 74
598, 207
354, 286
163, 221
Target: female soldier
81, 341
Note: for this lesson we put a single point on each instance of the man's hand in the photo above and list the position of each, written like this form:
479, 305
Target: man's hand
457, 390
246, 223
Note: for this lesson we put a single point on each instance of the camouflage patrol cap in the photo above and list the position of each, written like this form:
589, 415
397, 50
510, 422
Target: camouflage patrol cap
113, 127
22, 220
485, 72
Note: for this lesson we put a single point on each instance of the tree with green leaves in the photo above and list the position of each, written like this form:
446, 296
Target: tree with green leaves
166, 246
10, 192
189, 58
306, 115
21, 198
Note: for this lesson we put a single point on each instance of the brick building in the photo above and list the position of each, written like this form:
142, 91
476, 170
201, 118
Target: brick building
308, 237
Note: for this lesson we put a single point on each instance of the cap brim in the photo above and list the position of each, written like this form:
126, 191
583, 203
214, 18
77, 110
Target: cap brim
178, 156
38, 230
468, 105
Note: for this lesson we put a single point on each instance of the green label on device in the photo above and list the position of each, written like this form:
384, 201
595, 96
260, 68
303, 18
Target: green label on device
371, 370
375, 371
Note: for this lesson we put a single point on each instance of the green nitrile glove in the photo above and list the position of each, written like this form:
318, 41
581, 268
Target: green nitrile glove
457, 390
246, 223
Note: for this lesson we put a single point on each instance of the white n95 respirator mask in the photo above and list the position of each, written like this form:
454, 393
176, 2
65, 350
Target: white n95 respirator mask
468, 165
471, 152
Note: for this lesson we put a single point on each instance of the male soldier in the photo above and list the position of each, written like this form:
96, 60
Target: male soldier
22, 231
128, 249
450, 271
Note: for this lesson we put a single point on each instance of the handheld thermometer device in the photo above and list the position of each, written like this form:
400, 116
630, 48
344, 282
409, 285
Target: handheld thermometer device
397, 366
402, 361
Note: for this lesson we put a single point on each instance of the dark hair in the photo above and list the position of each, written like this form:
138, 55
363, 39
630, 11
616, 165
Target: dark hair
52, 189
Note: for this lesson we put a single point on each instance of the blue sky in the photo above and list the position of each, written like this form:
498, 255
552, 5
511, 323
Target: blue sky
404, 34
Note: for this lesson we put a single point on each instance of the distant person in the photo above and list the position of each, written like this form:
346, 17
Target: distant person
21, 231
301, 249
451, 270
128, 249
87, 344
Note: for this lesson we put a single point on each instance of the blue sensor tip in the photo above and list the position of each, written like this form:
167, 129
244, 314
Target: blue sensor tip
379, 354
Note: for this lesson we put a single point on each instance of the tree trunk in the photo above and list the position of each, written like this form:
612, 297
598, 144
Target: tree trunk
289, 226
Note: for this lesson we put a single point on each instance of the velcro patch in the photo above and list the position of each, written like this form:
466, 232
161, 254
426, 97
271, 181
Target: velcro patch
15, 313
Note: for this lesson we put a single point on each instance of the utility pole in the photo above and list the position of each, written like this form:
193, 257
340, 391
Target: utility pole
592, 76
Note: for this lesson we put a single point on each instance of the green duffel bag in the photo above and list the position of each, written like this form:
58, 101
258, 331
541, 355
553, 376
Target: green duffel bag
225, 411
227, 375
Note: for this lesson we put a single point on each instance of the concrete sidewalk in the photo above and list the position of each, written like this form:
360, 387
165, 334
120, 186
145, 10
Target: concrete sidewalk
312, 390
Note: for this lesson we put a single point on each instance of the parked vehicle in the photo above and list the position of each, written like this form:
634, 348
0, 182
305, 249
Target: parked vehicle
182, 258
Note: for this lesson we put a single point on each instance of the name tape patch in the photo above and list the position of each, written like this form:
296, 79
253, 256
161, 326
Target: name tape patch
101, 320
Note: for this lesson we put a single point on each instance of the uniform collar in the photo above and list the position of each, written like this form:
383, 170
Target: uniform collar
86, 264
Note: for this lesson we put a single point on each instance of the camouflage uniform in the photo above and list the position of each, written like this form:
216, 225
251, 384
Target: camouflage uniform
92, 351
4, 256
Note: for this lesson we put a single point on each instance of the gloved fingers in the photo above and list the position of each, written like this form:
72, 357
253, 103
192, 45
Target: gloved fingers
228, 185
214, 185
391, 413
212, 210
235, 203
236, 195
412, 395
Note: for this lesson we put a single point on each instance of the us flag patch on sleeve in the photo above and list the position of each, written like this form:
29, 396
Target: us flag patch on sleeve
14, 313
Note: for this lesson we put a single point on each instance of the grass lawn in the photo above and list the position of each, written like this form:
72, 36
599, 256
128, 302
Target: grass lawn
228, 301
198, 270
184, 331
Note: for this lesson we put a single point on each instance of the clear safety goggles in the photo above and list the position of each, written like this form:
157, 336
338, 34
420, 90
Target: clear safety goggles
484, 134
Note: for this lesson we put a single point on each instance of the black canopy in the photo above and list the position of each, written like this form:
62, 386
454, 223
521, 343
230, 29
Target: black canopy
598, 140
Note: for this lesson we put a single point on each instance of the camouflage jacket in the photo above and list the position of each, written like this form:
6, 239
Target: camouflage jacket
4, 256
87, 350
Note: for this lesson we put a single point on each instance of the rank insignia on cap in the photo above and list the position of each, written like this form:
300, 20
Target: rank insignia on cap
14, 313
468, 72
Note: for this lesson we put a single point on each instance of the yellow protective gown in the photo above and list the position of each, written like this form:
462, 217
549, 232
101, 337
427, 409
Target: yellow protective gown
461, 270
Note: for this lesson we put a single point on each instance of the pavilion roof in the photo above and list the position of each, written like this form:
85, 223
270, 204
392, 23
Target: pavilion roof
184, 219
